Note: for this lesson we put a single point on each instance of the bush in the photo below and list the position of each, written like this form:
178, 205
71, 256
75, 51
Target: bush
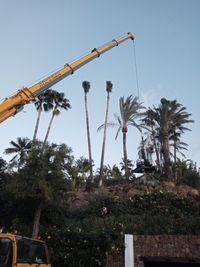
191, 178
74, 246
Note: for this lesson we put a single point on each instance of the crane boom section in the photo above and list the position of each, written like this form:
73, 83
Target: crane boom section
10, 106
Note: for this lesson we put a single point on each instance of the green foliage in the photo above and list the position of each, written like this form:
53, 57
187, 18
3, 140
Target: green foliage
84, 237
20, 148
156, 212
79, 246
191, 178
128, 165
78, 173
162, 203
166, 124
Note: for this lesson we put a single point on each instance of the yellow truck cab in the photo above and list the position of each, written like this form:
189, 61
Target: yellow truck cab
18, 251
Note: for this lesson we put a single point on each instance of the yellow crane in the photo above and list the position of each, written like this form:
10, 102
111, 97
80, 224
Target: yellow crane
11, 105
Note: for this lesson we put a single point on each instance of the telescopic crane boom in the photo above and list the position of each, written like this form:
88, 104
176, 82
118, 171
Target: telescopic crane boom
12, 105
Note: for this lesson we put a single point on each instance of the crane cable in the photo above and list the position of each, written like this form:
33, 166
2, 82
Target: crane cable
136, 71
137, 85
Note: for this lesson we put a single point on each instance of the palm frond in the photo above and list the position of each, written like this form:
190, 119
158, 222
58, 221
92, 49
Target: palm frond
118, 130
86, 86
109, 124
109, 86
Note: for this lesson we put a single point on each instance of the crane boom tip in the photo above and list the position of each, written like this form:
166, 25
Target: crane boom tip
131, 35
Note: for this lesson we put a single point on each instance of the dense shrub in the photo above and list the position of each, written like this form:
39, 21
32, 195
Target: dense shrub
191, 178
75, 246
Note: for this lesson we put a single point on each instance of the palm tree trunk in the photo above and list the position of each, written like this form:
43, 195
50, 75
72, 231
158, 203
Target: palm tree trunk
104, 141
36, 223
49, 127
37, 122
38, 210
124, 131
166, 157
88, 138
175, 159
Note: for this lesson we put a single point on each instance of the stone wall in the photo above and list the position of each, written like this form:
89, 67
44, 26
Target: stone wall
164, 248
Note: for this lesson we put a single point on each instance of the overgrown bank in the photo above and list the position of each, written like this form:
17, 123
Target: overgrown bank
84, 236
88, 235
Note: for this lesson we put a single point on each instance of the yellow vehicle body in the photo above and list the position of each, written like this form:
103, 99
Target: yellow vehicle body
18, 251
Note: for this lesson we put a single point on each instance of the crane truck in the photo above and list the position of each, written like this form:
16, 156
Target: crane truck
16, 250
13, 104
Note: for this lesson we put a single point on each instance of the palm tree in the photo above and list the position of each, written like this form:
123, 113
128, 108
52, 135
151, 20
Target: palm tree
42, 102
177, 145
83, 167
43, 166
20, 148
130, 111
170, 118
86, 88
128, 168
109, 86
78, 173
173, 117
58, 101
149, 124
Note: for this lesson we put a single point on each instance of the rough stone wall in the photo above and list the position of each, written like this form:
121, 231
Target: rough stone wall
167, 246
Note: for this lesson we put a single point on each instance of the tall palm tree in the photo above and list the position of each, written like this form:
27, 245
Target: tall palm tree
86, 88
130, 111
42, 102
149, 124
58, 101
20, 149
170, 118
109, 87
173, 117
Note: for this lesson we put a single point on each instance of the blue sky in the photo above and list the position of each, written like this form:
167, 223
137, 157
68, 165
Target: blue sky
38, 36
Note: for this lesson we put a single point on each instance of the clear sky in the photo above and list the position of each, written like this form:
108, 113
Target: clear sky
38, 36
